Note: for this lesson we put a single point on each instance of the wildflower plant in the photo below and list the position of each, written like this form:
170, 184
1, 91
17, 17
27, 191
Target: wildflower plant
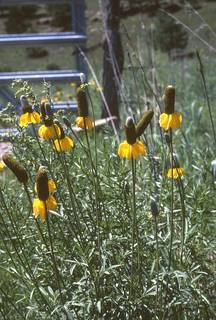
104, 230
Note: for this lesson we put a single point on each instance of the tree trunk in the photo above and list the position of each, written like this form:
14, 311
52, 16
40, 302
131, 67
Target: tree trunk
113, 58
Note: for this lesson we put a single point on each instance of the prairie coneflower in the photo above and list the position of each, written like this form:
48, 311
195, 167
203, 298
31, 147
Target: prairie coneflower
63, 143
44, 201
48, 130
131, 148
83, 120
175, 172
29, 116
170, 119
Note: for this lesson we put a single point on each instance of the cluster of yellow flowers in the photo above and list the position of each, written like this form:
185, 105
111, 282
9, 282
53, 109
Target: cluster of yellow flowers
132, 148
50, 129
44, 186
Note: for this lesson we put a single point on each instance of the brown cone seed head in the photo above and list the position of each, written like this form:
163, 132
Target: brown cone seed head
82, 103
130, 131
42, 184
169, 99
16, 168
144, 122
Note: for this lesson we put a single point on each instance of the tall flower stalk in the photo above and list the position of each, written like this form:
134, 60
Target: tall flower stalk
170, 120
132, 149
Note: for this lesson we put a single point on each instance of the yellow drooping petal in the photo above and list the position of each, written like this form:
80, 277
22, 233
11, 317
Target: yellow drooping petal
133, 151
170, 121
83, 122
28, 118
51, 186
64, 144
49, 132
175, 173
2, 166
39, 209
51, 203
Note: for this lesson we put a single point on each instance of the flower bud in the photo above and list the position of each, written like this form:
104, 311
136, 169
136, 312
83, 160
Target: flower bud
42, 184
144, 122
130, 131
169, 99
16, 168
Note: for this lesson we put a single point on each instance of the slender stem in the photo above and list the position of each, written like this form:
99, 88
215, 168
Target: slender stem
25, 264
134, 228
11, 302
182, 199
157, 259
94, 175
172, 199
53, 255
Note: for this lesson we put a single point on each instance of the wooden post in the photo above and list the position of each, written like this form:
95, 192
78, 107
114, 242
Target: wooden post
113, 58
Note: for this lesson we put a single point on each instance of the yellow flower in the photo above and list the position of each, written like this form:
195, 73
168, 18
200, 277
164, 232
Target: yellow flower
175, 173
64, 144
28, 118
84, 121
51, 186
131, 151
170, 121
2, 166
39, 207
49, 132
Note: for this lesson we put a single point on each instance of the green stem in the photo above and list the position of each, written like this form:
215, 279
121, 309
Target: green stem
172, 199
94, 175
11, 302
182, 199
53, 255
157, 259
134, 228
